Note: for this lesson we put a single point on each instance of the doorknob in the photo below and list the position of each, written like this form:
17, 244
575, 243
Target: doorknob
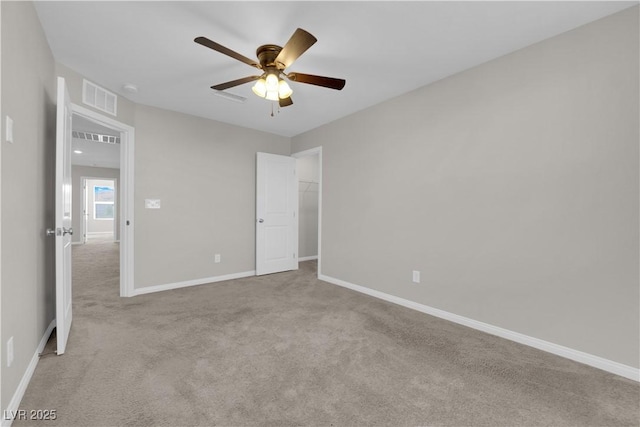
260, 220
59, 231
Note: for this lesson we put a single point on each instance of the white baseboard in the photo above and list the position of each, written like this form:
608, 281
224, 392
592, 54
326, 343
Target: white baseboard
14, 404
195, 282
569, 353
308, 258
77, 243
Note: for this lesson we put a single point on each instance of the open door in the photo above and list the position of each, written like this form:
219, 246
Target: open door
276, 214
63, 230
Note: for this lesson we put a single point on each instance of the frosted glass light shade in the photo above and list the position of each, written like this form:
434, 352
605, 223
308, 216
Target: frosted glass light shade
272, 95
284, 91
260, 88
272, 82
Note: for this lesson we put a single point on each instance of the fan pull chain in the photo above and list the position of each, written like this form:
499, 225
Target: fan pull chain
272, 109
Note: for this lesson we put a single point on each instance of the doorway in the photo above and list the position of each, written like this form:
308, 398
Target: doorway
102, 187
99, 207
309, 171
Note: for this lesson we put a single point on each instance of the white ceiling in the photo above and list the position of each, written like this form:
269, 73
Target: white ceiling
382, 49
96, 154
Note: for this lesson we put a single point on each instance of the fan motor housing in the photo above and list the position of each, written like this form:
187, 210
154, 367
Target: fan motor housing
267, 55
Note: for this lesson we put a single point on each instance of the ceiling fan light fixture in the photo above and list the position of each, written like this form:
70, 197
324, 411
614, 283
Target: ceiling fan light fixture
272, 82
272, 88
260, 88
284, 91
272, 95
273, 61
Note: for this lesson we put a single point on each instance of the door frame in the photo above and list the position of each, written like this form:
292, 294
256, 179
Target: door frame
306, 153
85, 203
127, 141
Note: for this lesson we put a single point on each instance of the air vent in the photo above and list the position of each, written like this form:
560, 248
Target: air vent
99, 98
230, 96
96, 137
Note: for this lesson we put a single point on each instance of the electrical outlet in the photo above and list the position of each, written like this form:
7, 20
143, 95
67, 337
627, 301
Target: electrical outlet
416, 276
152, 203
217, 259
9, 352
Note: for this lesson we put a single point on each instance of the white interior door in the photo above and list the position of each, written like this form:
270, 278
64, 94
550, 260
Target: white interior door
276, 214
63, 230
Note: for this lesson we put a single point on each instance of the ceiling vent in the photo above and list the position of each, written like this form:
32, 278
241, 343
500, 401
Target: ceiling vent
96, 137
230, 96
99, 98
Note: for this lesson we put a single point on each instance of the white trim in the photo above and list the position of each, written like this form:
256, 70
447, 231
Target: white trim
559, 350
83, 206
308, 258
195, 282
77, 243
2, 125
127, 232
26, 378
313, 152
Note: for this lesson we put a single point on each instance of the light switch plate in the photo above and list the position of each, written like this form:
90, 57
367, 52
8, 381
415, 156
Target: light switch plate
9, 130
9, 352
152, 203
416, 276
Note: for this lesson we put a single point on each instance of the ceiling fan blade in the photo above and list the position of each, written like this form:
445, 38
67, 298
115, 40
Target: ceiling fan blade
285, 102
329, 82
299, 42
232, 83
225, 50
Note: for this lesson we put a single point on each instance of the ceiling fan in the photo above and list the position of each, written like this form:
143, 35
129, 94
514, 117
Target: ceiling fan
273, 60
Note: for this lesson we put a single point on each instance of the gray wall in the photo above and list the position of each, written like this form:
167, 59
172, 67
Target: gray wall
512, 187
87, 171
28, 97
308, 178
204, 174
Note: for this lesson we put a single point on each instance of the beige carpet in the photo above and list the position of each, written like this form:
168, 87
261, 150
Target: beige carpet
288, 349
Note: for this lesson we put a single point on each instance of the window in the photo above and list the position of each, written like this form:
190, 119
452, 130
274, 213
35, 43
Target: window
103, 199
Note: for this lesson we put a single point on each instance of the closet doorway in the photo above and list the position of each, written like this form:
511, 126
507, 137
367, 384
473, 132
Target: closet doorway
309, 171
